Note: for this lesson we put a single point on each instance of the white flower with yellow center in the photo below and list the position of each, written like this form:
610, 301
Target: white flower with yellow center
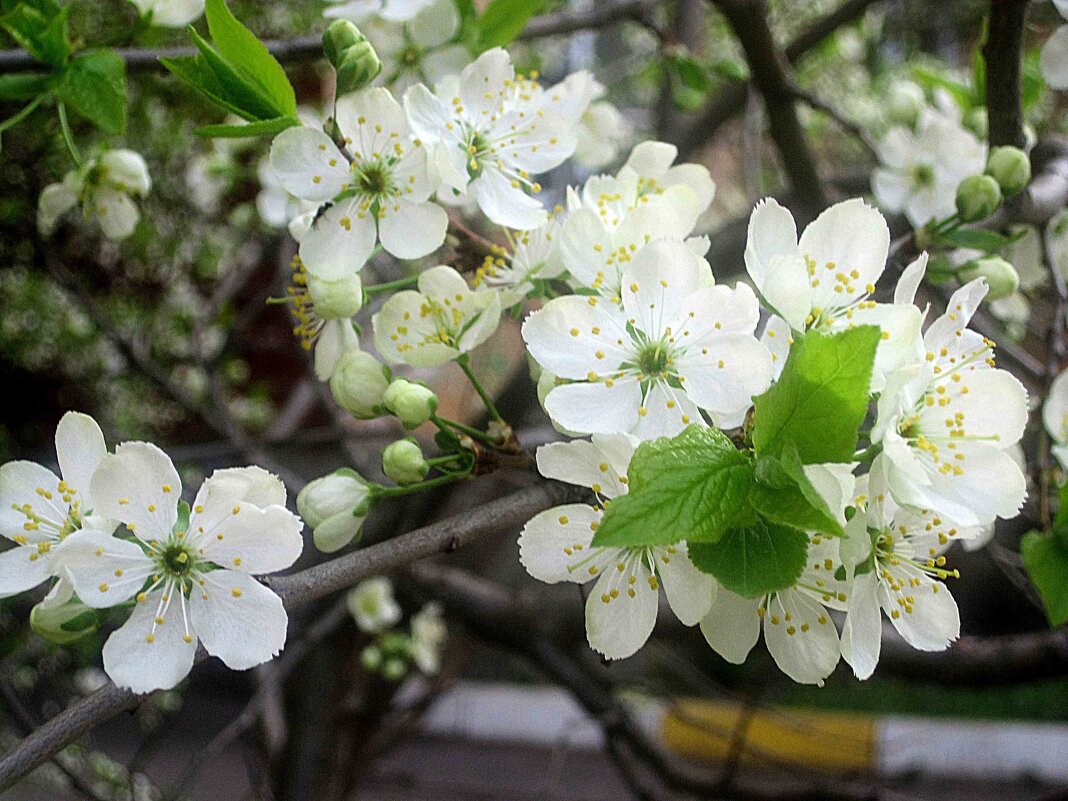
38, 509
488, 143
376, 189
614, 217
190, 579
1055, 417
556, 546
797, 625
947, 422
674, 348
823, 281
104, 187
441, 321
534, 257
896, 557
921, 170
322, 311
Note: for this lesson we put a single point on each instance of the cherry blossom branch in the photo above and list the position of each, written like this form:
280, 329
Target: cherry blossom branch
310, 48
731, 99
768, 66
1002, 51
296, 590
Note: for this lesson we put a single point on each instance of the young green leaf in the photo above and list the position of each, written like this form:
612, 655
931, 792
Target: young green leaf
782, 493
1045, 558
754, 560
194, 71
241, 47
94, 85
976, 239
692, 487
259, 128
15, 86
820, 399
238, 88
503, 20
41, 29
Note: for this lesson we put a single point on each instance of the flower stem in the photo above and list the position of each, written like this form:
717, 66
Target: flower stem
23, 113
445, 424
465, 365
389, 286
869, 453
68, 136
410, 489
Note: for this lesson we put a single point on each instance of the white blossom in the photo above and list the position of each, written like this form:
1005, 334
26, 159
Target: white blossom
602, 133
555, 546
38, 509
170, 13
674, 347
441, 321
824, 280
189, 581
391, 10
104, 187
488, 141
428, 636
920, 171
373, 606
535, 256
378, 189
946, 421
1054, 57
1055, 417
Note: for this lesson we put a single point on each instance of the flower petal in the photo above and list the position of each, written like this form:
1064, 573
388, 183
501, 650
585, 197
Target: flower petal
597, 408
79, 448
254, 540
621, 609
863, 632
104, 569
143, 657
554, 543
308, 164
801, 637
139, 486
238, 619
732, 625
340, 241
689, 591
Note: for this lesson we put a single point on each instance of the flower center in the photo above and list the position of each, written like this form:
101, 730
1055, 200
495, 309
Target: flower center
410, 56
923, 175
653, 359
373, 179
177, 560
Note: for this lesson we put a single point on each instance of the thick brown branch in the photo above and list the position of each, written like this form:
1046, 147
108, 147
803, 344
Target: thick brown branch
1001, 51
300, 588
731, 99
749, 21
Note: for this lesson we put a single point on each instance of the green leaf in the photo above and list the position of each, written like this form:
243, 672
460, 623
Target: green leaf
693, 74
241, 47
503, 21
820, 399
976, 239
783, 494
94, 85
754, 560
23, 85
1060, 522
86, 620
41, 30
192, 70
259, 128
238, 89
691, 487
1045, 558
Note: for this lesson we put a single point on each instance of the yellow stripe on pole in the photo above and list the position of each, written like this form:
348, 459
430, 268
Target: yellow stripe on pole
829, 741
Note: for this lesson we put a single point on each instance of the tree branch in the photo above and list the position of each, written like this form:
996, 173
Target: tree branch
749, 21
1001, 51
310, 48
300, 588
731, 99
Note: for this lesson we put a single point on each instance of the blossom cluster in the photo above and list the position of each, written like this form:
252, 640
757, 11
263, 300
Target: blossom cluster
112, 532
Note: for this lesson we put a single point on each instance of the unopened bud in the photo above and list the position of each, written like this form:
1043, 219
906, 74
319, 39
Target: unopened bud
976, 121
413, 404
904, 103
1000, 276
352, 56
63, 623
394, 669
358, 383
978, 196
335, 507
1010, 167
403, 462
371, 658
337, 299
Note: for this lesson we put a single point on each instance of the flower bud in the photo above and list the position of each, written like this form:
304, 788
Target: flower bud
338, 299
352, 56
371, 658
372, 605
63, 623
335, 507
1010, 167
413, 404
904, 103
403, 462
394, 669
1000, 276
978, 196
976, 121
358, 383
